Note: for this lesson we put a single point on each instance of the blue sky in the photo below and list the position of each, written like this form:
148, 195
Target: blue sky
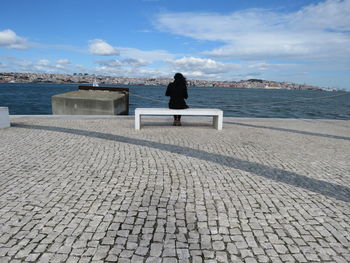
302, 41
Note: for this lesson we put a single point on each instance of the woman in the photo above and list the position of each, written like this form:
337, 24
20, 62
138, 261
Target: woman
177, 90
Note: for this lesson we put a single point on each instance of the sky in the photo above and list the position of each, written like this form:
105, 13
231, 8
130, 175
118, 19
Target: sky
300, 41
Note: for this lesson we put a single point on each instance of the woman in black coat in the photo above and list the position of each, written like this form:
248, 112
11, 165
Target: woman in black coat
177, 91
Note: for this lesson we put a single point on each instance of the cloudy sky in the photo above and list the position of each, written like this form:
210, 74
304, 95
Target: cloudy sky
302, 41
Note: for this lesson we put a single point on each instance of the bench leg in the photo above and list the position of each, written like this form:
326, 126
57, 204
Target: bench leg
137, 122
217, 121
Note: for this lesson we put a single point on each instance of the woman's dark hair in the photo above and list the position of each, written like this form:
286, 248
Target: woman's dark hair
180, 79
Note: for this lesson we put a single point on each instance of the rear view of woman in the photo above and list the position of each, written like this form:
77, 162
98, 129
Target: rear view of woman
177, 91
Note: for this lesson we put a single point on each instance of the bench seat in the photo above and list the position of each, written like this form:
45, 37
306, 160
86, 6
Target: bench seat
216, 113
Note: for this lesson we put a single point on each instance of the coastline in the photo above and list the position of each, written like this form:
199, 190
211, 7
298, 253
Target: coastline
86, 79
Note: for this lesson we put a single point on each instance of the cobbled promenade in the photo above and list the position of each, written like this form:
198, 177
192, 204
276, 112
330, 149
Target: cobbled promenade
83, 189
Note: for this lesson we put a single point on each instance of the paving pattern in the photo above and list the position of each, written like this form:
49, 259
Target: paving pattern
95, 190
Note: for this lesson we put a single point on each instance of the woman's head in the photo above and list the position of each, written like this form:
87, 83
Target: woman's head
179, 78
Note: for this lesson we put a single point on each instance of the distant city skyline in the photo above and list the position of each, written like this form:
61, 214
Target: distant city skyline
300, 41
85, 78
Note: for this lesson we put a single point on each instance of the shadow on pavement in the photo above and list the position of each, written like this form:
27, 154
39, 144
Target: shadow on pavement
311, 184
289, 130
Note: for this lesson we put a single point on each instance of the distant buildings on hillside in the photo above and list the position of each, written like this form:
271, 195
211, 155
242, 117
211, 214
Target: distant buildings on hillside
84, 78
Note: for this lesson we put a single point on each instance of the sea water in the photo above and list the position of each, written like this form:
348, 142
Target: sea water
33, 98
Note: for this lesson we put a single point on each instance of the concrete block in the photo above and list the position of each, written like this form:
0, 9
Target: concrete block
90, 102
4, 117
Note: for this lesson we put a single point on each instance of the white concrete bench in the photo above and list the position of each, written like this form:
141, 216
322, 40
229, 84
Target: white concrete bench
216, 113
4, 117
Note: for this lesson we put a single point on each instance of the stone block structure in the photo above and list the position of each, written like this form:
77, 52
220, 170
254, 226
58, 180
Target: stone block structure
4, 117
92, 101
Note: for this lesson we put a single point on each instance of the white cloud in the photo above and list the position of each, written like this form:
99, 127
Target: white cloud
127, 67
131, 71
147, 55
63, 61
43, 62
130, 62
42, 65
62, 64
331, 14
102, 48
23, 65
9, 39
259, 66
134, 62
316, 32
202, 66
145, 31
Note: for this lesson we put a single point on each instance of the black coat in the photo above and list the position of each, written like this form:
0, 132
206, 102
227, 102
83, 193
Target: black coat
178, 94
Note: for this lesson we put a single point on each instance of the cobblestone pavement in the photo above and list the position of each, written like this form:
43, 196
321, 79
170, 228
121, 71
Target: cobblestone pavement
95, 190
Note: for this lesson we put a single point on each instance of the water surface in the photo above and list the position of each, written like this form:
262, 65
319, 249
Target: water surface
36, 99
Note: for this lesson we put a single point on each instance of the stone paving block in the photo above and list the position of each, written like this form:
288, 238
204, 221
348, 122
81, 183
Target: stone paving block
95, 190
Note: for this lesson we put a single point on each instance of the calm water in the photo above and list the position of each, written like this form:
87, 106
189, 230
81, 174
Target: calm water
36, 99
